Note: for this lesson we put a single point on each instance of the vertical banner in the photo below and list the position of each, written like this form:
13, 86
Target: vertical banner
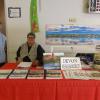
34, 16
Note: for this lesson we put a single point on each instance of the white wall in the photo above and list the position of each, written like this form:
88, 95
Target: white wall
50, 12
16, 28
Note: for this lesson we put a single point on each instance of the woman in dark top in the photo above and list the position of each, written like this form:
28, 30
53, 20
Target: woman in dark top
30, 51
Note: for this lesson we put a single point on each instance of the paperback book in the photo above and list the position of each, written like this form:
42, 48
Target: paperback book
76, 74
81, 74
53, 74
94, 75
97, 60
18, 74
86, 59
52, 60
36, 74
4, 73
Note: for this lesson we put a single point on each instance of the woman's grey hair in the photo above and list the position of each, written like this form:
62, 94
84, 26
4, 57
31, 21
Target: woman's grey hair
31, 34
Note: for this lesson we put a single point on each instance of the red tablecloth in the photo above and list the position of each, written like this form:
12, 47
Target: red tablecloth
63, 89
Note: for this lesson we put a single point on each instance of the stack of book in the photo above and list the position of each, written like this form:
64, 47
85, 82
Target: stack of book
52, 60
18, 74
36, 74
4, 73
53, 74
97, 61
81, 74
75, 74
94, 75
86, 59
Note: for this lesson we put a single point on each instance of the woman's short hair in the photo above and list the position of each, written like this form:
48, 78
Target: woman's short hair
31, 34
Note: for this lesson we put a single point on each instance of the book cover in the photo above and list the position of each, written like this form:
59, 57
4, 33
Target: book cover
82, 74
94, 75
36, 74
87, 60
76, 74
18, 74
52, 60
53, 74
5, 73
97, 60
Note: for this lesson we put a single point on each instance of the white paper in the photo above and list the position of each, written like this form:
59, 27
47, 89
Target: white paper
70, 63
25, 64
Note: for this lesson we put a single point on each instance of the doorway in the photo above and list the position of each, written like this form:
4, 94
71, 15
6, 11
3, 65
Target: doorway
2, 16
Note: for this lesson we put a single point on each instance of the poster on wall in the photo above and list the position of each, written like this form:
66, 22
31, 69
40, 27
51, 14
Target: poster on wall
72, 35
14, 12
94, 6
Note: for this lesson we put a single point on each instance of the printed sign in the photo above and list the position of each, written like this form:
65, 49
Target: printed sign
70, 63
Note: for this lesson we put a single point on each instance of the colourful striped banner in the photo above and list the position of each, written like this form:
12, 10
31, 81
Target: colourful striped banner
34, 16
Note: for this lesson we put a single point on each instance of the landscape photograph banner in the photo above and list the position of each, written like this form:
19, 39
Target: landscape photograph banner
72, 35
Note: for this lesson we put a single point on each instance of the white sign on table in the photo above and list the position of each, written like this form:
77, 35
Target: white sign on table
70, 63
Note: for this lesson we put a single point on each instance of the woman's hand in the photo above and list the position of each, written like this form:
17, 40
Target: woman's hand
35, 63
18, 61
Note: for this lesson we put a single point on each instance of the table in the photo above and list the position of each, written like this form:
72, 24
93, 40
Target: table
50, 89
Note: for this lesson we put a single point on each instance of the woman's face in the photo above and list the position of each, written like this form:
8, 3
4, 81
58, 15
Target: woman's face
30, 40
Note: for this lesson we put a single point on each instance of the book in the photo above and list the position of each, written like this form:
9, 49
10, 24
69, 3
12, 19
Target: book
87, 60
76, 74
94, 74
18, 74
81, 74
24, 64
36, 74
4, 73
97, 61
53, 74
98, 47
52, 60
